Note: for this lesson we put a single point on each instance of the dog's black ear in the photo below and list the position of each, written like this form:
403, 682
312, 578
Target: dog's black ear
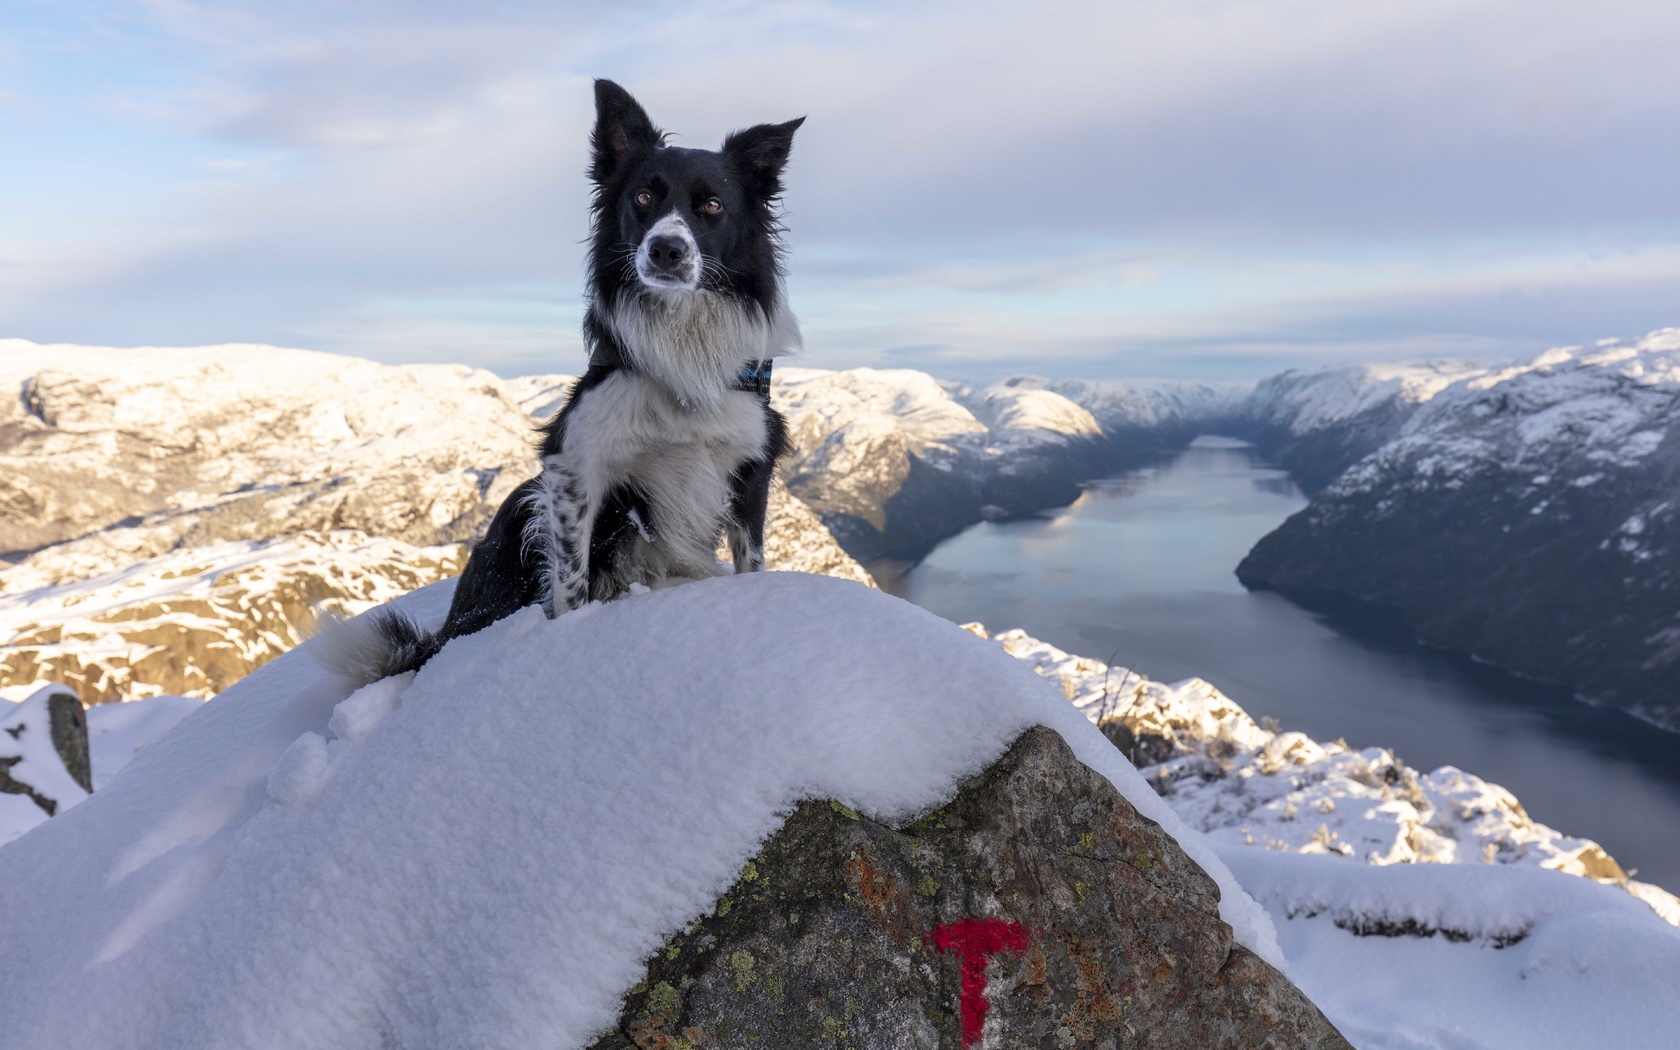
760, 153
622, 131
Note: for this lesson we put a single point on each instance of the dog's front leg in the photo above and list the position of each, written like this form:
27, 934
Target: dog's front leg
557, 534
749, 503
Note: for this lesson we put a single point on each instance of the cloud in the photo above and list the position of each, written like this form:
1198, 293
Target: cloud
977, 182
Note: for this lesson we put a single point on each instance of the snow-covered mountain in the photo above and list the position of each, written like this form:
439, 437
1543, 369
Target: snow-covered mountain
1529, 515
143, 450
1318, 422
174, 516
895, 461
193, 571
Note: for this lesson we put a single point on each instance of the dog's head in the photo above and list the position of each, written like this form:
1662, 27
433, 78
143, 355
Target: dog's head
670, 221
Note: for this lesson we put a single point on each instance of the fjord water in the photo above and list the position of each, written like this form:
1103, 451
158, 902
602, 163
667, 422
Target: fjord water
1140, 572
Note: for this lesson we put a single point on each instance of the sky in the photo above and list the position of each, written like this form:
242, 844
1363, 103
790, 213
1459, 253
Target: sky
1175, 189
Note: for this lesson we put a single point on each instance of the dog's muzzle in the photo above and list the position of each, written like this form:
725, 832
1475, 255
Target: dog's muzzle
668, 256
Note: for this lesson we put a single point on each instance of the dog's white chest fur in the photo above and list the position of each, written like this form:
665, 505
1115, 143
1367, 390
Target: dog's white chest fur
631, 430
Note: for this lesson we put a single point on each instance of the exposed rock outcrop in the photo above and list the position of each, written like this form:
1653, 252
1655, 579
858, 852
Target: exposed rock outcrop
1037, 909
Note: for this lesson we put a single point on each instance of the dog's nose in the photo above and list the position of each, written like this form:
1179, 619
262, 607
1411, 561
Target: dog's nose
667, 253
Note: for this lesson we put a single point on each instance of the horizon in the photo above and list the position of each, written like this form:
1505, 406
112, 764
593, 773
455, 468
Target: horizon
1149, 192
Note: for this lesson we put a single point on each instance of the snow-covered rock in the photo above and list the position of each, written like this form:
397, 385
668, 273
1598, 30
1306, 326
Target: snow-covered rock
44, 768
44, 781
485, 852
1243, 784
846, 931
197, 619
1527, 515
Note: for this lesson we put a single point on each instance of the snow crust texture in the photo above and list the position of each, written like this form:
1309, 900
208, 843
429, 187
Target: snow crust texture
484, 853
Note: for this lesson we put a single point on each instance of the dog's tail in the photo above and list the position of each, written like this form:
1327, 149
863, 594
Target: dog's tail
372, 646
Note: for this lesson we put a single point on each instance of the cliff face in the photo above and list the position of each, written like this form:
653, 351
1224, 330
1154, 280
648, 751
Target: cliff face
1529, 516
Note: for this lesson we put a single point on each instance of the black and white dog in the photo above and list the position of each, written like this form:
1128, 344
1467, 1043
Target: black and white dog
668, 439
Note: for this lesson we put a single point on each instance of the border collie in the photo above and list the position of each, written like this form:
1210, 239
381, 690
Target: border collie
668, 439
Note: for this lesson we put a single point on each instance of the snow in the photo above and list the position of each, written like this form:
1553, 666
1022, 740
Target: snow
118, 732
1317, 399
1022, 414
196, 619
1585, 409
1494, 958
484, 854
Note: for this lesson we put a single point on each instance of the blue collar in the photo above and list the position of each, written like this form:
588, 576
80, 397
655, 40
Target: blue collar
754, 378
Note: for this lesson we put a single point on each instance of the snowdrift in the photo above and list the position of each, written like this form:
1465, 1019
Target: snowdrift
1469, 956
484, 853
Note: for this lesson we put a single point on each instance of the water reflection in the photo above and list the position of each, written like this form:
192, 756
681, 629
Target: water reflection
1140, 571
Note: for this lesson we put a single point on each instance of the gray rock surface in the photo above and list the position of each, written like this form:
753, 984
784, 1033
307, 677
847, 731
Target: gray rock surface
844, 932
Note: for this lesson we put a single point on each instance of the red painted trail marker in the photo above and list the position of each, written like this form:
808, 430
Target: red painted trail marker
977, 940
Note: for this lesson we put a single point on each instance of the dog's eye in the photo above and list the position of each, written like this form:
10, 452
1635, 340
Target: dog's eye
643, 199
711, 207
